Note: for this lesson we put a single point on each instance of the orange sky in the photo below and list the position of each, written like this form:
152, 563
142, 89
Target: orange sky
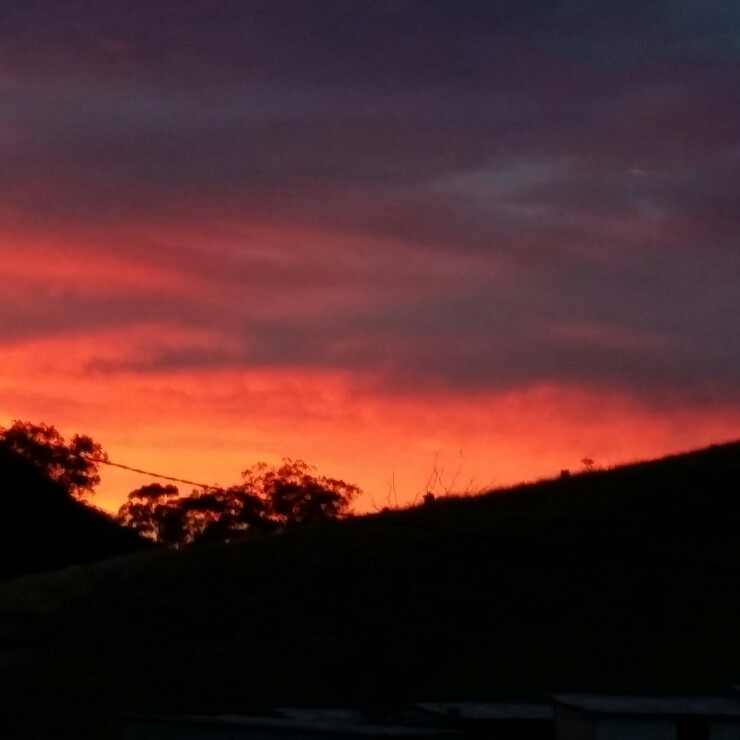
487, 237
207, 424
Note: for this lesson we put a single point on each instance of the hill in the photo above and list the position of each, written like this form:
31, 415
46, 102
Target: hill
613, 580
46, 528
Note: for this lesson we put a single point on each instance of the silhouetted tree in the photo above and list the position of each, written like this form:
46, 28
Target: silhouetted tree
588, 464
268, 498
74, 464
225, 513
294, 494
154, 511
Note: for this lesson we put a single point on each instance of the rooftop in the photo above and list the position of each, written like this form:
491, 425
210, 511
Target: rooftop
475, 711
327, 727
652, 705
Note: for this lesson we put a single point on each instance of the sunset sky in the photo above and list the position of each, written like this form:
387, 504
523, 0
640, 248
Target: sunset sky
491, 236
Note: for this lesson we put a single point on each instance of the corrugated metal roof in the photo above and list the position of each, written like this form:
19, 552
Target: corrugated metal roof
475, 711
655, 705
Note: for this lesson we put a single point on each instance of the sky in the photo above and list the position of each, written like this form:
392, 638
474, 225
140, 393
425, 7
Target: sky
420, 244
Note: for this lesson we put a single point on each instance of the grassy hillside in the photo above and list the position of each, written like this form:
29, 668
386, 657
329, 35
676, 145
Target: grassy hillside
625, 579
46, 528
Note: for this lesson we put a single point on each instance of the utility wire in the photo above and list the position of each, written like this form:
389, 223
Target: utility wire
150, 473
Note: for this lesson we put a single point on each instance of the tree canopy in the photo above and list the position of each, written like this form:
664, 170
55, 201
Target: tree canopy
267, 499
73, 463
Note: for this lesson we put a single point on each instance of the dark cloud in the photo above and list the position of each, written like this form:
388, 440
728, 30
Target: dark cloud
514, 192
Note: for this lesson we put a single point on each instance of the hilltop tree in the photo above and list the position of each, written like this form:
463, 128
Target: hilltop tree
153, 511
74, 463
267, 499
225, 513
159, 513
294, 494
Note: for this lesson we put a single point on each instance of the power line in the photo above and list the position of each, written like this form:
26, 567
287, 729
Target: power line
151, 474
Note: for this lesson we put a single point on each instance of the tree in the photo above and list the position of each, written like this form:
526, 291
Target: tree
222, 514
74, 464
154, 511
267, 499
294, 494
159, 513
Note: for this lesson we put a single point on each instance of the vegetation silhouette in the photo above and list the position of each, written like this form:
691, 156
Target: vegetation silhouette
267, 499
605, 580
612, 580
73, 464
47, 528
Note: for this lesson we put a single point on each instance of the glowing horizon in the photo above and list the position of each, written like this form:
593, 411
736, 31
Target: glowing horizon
371, 239
390, 447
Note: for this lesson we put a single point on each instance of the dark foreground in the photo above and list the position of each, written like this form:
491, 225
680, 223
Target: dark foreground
623, 580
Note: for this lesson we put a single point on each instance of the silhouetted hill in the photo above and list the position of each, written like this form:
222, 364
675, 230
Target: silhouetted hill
45, 528
615, 580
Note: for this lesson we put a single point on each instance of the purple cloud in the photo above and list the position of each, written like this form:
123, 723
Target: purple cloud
509, 192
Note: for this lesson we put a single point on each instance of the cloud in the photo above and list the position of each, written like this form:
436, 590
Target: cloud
470, 196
